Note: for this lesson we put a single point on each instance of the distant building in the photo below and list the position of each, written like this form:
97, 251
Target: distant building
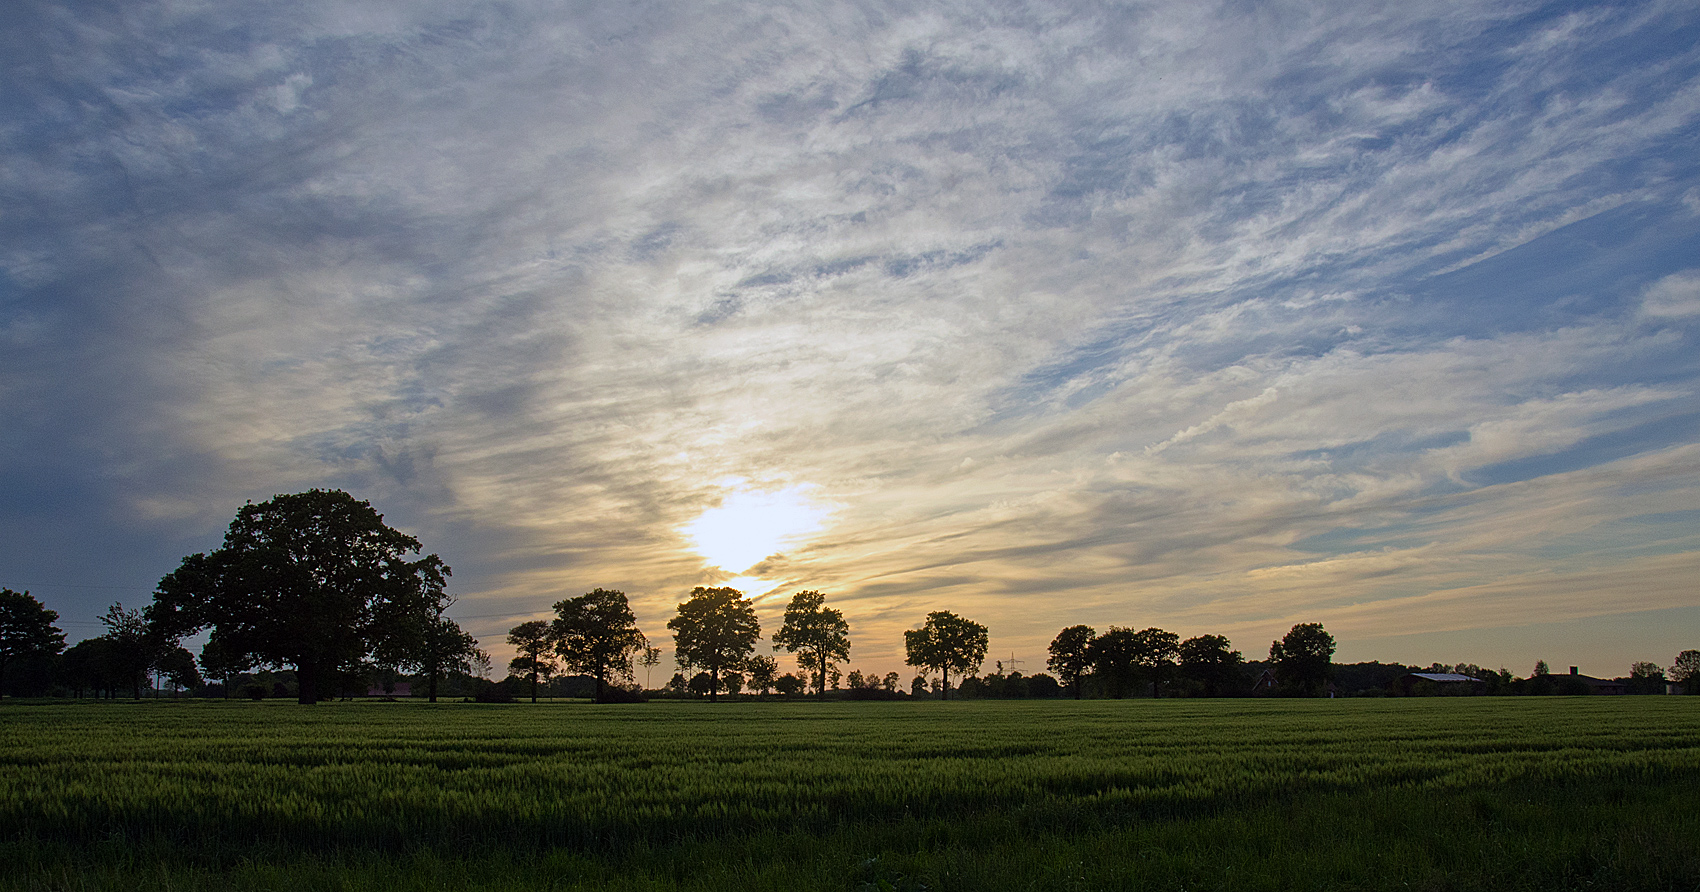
1599, 685
1413, 684
1265, 683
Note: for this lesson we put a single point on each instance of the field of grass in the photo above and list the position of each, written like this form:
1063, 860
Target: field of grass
1446, 793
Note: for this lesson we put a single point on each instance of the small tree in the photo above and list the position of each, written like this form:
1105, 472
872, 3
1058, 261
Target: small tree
716, 629
535, 643
817, 631
134, 648
948, 643
891, 681
221, 662
1071, 656
763, 673
88, 666
178, 665
649, 660
702, 684
1303, 658
597, 634
1646, 678
789, 684
1686, 671
420, 637
26, 630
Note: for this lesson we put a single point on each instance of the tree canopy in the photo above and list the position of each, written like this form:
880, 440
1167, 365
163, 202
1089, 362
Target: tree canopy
716, 629
817, 631
1115, 660
420, 637
313, 580
1155, 654
596, 633
1071, 656
1303, 658
534, 644
1686, 670
1208, 660
26, 630
948, 643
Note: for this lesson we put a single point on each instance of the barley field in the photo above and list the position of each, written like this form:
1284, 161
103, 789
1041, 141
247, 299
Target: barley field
1444, 793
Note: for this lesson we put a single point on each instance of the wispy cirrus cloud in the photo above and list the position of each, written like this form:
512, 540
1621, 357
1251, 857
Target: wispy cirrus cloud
1201, 316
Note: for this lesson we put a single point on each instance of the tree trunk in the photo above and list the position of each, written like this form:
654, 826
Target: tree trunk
431, 684
307, 684
534, 684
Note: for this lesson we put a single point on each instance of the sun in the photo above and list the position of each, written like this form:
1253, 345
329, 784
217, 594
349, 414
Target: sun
749, 525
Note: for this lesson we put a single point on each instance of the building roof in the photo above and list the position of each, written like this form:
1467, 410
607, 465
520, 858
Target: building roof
1443, 676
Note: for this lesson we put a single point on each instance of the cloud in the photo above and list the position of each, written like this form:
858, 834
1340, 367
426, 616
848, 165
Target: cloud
1675, 295
1077, 314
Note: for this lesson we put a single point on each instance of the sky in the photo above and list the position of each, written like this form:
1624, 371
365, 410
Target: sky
1213, 317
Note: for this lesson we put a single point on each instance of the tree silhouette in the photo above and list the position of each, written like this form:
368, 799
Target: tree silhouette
536, 646
418, 636
817, 631
1303, 658
1207, 660
650, 659
217, 661
306, 580
716, 629
763, 673
1115, 660
134, 648
1686, 671
597, 634
946, 642
1154, 654
26, 630
1071, 656
178, 665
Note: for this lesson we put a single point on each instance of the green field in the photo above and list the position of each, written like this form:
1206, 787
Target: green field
1444, 793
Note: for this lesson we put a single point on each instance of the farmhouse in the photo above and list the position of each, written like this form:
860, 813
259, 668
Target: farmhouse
1598, 685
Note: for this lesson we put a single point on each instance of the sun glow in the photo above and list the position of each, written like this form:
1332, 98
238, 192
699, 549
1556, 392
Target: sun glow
748, 526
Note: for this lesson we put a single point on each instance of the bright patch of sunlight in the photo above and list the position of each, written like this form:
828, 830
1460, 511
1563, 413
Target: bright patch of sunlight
749, 525
753, 587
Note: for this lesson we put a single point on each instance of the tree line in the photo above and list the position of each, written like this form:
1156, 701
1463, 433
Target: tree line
316, 582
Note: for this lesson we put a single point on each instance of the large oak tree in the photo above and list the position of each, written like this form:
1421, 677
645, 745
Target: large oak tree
313, 580
716, 629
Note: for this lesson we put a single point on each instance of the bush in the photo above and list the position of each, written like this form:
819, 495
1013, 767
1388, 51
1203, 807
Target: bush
617, 694
504, 691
